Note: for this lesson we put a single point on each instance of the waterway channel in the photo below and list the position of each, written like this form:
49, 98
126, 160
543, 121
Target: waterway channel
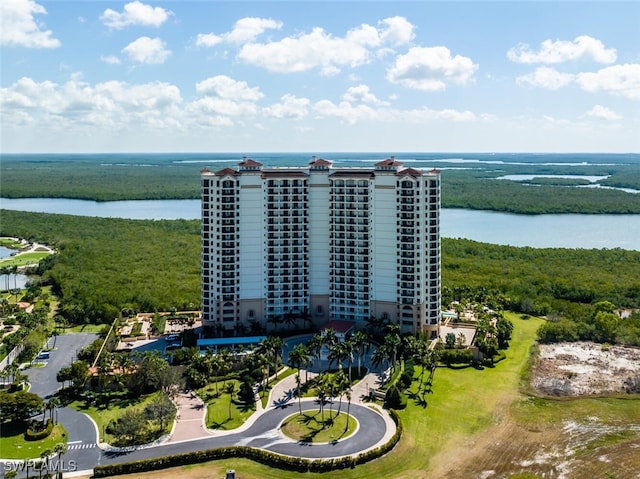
538, 231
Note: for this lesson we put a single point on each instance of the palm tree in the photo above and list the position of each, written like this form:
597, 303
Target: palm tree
230, 389
321, 393
348, 394
315, 348
392, 341
342, 384
298, 356
44, 460
14, 272
53, 404
379, 357
360, 341
275, 345
59, 449
290, 319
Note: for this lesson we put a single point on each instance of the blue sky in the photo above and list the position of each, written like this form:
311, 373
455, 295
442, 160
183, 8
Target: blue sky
391, 77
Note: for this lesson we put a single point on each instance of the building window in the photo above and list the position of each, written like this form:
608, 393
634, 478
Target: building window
385, 316
319, 309
251, 314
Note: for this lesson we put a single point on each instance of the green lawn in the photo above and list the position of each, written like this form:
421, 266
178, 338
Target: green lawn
85, 328
14, 446
218, 406
24, 259
310, 426
111, 407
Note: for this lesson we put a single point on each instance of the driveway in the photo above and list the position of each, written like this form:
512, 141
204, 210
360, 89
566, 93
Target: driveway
43, 380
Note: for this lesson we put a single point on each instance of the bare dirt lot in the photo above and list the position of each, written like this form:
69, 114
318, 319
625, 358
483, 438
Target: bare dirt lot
579, 369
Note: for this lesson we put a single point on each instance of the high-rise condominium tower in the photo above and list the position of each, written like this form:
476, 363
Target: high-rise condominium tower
321, 243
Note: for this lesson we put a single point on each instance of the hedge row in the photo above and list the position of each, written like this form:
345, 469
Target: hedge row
267, 458
33, 434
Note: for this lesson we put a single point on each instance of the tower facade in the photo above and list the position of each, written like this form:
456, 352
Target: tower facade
321, 243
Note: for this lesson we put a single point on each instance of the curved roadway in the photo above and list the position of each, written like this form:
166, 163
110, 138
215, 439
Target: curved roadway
264, 433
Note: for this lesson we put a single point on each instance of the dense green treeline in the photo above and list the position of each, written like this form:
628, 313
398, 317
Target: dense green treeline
543, 281
486, 193
104, 265
82, 180
96, 177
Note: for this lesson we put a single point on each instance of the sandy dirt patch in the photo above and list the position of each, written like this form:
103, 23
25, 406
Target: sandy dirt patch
578, 369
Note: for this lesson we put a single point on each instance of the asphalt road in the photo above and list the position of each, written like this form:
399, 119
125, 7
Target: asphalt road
264, 434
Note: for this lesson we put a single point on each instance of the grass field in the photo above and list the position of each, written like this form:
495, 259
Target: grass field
14, 446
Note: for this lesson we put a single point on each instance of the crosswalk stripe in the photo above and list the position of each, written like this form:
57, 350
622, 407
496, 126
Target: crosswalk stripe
81, 446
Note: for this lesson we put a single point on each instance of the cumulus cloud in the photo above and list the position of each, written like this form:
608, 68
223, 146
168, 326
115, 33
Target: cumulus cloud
361, 94
289, 107
562, 51
19, 27
79, 103
321, 50
224, 98
623, 80
245, 30
344, 111
545, 77
396, 31
135, 13
147, 50
431, 69
226, 87
604, 113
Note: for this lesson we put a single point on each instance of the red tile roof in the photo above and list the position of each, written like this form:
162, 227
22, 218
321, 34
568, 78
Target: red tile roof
409, 171
226, 171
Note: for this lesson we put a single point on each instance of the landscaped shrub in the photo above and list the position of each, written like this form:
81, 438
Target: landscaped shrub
394, 399
35, 431
456, 356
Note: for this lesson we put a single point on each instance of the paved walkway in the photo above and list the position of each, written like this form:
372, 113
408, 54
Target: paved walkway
190, 421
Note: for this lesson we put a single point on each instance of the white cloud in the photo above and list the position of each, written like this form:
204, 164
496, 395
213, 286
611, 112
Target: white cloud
396, 31
147, 50
623, 80
228, 88
135, 13
546, 77
110, 59
352, 114
604, 113
361, 94
290, 107
345, 111
561, 51
324, 51
19, 28
245, 30
208, 39
79, 104
431, 69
